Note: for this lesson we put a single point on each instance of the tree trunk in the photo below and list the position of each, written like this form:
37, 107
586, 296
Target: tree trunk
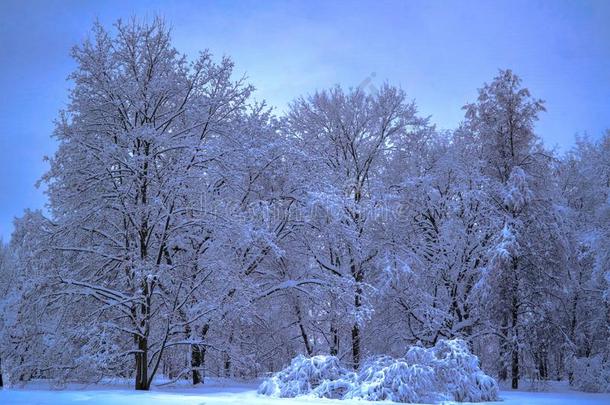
334, 335
542, 365
196, 363
142, 364
198, 358
356, 345
356, 328
515, 370
227, 356
1, 381
357, 275
227, 365
142, 378
142, 382
302, 329
515, 349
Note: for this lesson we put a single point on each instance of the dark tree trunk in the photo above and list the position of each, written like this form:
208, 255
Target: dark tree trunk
334, 345
142, 364
302, 329
308, 348
198, 359
142, 377
227, 357
515, 350
196, 363
356, 345
542, 360
227, 365
1, 381
142, 382
515, 370
356, 328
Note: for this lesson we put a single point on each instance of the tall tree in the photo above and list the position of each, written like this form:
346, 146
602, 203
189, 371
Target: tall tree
441, 240
501, 124
122, 185
347, 138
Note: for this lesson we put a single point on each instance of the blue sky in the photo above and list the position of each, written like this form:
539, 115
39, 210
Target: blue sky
439, 52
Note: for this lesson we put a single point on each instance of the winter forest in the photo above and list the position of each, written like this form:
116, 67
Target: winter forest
194, 232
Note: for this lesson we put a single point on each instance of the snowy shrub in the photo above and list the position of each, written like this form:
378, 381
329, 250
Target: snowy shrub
395, 380
458, 374
447, 371
322, 376
336, 389
591, 374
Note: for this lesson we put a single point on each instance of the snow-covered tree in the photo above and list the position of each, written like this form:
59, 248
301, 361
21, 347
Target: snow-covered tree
124, 184
442, 243
6, 281
585, 184
500, 127
347, 139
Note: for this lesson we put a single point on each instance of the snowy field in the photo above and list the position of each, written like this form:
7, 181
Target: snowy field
245, 394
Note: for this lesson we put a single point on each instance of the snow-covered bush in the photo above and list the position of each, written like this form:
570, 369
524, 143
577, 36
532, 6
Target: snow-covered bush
591, 374
395, 380
447, 371
321, 376
458, 373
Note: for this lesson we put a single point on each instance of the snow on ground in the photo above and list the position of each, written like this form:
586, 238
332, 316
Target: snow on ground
245, 394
